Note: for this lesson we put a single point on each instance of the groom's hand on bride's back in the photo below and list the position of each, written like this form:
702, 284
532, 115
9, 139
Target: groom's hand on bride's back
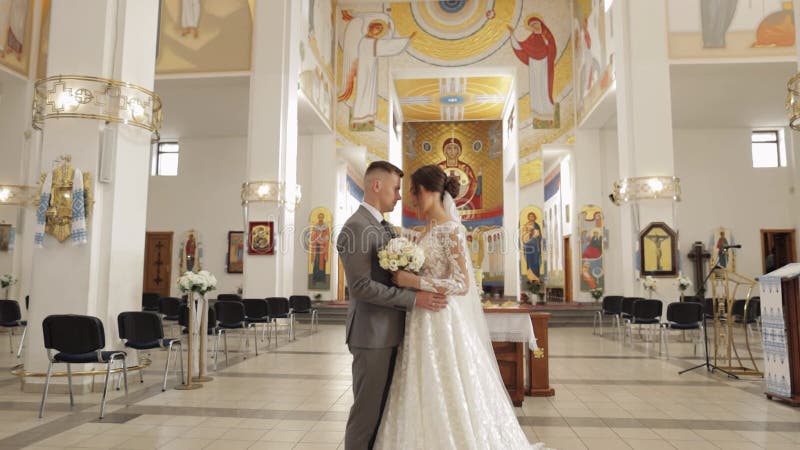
430, 301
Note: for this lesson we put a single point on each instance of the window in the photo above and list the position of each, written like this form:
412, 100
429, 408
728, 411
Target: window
768, 149
165, 159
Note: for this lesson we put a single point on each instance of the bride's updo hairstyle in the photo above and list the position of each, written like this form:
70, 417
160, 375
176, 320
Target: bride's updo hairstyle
433, 179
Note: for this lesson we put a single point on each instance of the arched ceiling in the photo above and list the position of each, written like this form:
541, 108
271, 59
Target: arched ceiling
452, 98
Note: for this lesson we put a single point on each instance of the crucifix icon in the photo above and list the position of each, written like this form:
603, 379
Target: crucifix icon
657, 240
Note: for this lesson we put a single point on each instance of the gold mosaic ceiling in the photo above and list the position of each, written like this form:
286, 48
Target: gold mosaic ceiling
452, 99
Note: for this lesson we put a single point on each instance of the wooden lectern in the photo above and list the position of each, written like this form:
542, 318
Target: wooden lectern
780, 316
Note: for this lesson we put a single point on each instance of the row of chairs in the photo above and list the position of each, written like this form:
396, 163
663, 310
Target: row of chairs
77, 339
276, 308
682, 316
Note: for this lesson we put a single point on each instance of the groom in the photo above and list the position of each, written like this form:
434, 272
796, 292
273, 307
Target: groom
377, 309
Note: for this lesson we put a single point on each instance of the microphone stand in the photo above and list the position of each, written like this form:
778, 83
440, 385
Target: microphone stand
707, 364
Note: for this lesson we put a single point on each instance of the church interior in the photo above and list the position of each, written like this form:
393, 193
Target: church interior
622, 163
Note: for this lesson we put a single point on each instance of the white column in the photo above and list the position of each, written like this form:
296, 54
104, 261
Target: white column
116, 40
272, 140
644, 118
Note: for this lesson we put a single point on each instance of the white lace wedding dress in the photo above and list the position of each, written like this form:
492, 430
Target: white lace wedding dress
447, 392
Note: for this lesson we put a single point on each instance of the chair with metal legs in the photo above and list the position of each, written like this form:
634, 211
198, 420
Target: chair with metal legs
279, 309
612, 306
682, 316
143, 330
256, 312
11, 319
230, 316
78, 340
301, 304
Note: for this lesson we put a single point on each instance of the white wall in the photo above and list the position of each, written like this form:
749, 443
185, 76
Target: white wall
14, 112
721, 188
205, 196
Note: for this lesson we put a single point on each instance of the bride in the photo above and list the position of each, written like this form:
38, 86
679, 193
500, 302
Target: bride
446, 391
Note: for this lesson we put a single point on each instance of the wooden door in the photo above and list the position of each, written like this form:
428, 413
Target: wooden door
567, 271
777, 249
341, 292
158, 262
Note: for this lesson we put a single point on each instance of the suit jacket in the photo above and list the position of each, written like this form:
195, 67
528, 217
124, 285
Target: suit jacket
377, 310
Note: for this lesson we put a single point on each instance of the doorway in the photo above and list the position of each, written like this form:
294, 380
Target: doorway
567, 271
158, 262
777, 249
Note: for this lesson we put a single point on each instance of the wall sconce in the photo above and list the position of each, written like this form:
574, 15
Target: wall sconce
85, 97
646, 188
11, 194
270, 191
793, 101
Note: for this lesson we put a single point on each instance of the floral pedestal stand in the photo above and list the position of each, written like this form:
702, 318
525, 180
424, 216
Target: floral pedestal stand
191, 349
202, 336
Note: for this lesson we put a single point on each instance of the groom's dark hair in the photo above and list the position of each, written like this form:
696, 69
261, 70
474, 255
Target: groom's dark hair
383, 166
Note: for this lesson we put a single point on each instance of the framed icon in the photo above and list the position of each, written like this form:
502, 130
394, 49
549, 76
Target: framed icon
260, 238
658, 250
235, 258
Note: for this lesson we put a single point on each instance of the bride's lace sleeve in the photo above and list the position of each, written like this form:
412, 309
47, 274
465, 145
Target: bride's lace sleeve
450, 253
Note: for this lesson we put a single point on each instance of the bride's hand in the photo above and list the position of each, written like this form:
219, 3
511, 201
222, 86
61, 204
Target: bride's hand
404, 278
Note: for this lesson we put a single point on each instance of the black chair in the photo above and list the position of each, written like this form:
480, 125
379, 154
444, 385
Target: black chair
150, 301
747, 313
645, 312
78, 340
256, 311
682, 316
301, 304
230, 316
183, 321
143, 330
279, 309
229, 297
11, 319
170, 309
626, 310
612, 306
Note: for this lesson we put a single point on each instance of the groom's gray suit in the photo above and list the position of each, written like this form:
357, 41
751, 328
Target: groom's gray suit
375, 323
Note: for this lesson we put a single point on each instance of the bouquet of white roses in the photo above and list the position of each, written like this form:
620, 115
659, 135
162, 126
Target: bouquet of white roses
649, 283
7, 280
200, 282
683, 283
401, 253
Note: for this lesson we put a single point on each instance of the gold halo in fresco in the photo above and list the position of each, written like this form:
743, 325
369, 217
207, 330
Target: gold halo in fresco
478, 26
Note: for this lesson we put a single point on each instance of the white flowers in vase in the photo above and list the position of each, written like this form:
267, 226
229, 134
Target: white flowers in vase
649, 283
683, 283
200, 282
401, 253
7, 280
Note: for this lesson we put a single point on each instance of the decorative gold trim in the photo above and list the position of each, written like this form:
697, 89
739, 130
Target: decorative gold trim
87, 97
59, 211
19, 370
793, 101
12, 194
270, 191
646, 188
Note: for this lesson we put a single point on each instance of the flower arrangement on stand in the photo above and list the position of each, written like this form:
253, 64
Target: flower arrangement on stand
535, 288
6, 281
597, 293
683, 284
649, 284
195, 285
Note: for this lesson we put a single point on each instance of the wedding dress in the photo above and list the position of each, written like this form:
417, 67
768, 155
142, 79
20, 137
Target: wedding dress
447, 392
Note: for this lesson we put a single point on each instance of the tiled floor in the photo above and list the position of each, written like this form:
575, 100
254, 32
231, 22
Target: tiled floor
296, 396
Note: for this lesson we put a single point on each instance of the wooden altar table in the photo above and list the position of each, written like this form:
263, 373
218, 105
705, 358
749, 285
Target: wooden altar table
511, 331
